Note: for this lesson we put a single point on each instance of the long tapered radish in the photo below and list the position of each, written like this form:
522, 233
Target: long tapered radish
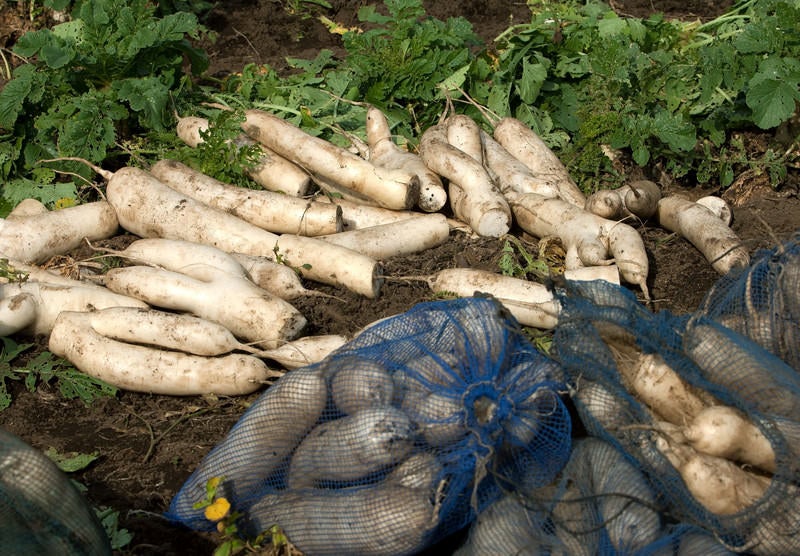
405, 237
248, 311
531, 303
278, 279
272, 172
588, 238
37, 237
525, 145
396, 189
699, 225
70, 295
17, 312
357, 215
304, 351
146, 369
510, 173
149, 208
275, 212
473, 197
180, 255
384, 152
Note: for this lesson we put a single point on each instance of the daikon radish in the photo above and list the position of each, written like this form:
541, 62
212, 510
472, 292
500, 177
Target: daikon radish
588, 238
706, 231
384, 152
531, 303
304, 351
510, 173
278, 279
275, 212
149, 208
597, 403
395, 189
725, 432
639, 198
53, 298
153, 370
27, 207
248, 311
718, 206
404, 237
473, 196
35, 238
273, 172
719, 485
383, 520
352, 447
357, 215
180, 255
420, 470
360, 383
527, 147
504, 527
440, 419
17, 312
762, 379
262, 439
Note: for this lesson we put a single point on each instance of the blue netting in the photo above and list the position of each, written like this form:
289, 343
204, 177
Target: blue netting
620, 360
41, 511
763, 302
395, 440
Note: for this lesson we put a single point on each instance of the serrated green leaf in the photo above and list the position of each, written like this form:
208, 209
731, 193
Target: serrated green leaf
72, 462
674, 130
530, 83
147, 96
13, 95
772, 101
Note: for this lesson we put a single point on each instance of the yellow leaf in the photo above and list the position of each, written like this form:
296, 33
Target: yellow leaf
218, 509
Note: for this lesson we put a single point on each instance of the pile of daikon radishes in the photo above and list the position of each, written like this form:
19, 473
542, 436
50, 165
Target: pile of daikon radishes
204, 299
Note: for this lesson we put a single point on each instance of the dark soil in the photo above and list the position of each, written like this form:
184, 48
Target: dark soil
148, 444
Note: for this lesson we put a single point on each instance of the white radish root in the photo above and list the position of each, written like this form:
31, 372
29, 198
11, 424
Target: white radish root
718, 206
304, 351
511, 174
17, 312
384, 152
275, 212
356, 215
153, 370
526, 146
639, 198
34, 238
278, 279
273, 172
706, 231
328, 163
404, 237
473, 197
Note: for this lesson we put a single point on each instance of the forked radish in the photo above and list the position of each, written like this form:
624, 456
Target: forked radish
395, 189
588, 238
154, 370
719, 485
706, 231
248, 311
275, 212
69, 295
273, 172
531, 303
34, 238
17, 312
384, 152
639, 198
404, 237
473, 197
526, 146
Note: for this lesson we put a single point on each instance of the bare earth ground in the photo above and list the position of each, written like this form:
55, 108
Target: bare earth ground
148, 445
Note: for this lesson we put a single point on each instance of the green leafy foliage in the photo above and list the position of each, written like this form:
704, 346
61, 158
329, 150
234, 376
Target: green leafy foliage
585, 78
105, 74
45, 368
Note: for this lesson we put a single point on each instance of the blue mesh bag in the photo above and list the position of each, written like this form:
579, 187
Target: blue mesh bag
41, 511
763, 302
396, 439
710, 417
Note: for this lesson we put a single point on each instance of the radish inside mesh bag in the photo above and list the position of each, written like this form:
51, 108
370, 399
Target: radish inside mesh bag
395, 440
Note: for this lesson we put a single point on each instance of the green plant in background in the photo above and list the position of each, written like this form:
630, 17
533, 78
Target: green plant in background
666, 91
105, 74
45, 368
